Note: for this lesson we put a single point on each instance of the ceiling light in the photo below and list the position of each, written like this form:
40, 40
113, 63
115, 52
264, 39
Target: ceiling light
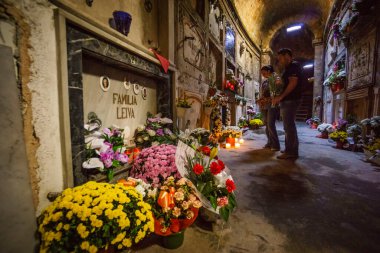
308, 66
293, 28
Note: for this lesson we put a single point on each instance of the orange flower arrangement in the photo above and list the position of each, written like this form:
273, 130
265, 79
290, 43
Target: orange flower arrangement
175, 206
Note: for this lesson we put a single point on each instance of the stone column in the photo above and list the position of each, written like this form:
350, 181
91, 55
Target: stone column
318, 76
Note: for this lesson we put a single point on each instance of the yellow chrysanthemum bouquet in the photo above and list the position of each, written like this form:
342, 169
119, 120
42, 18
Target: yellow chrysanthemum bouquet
256, 123
95, 216
339, 136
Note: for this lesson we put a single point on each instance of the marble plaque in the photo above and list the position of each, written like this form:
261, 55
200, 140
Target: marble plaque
118, 97
361, 61
194, 44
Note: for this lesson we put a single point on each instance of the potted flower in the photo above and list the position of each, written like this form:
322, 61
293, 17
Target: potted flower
156, 131
243, 122
175, 207
340, 137
371, 148
155, 164
255, 124
182, 106
105, 151
95, 217
325, 129
313, 122
354, 131
342, 125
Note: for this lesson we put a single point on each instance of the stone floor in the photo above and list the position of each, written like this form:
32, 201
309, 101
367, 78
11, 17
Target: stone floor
326, 201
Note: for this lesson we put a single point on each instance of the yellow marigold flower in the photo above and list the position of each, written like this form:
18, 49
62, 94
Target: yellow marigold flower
58, 236
57, 216
138, 222
120, 246
93, 249
66, 227
85, 245
59, 226
127, 242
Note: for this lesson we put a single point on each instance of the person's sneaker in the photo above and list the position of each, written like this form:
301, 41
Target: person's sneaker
275, 149
267, 146
287, 156
282, 151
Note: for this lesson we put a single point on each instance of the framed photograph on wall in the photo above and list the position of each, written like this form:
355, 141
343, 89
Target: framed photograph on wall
104, 83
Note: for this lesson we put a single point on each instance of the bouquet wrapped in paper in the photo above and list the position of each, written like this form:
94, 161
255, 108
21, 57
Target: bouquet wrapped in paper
212, 179
175, 206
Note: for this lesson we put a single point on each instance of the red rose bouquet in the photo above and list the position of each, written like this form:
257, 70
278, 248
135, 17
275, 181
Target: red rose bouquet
175, 206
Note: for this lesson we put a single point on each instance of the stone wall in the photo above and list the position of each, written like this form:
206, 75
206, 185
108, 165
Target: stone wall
36, 53
356, 47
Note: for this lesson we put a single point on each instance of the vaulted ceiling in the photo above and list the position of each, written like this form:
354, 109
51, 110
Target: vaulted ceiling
264, 18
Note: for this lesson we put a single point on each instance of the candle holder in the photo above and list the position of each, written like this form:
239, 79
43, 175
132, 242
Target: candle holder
123, 21
228, 145
237, 145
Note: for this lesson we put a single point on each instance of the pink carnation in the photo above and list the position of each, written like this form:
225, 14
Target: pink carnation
155, 164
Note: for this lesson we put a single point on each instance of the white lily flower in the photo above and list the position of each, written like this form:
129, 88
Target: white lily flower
94, 142
93, 163
92, 126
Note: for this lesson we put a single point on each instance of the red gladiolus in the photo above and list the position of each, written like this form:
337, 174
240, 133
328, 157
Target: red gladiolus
206, 150
198, 169
215, 168
230, 185
221, 164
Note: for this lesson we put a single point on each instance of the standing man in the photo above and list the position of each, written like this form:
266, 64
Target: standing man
264, 103
289, 101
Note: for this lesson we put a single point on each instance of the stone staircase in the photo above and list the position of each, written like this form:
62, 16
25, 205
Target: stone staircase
305, 109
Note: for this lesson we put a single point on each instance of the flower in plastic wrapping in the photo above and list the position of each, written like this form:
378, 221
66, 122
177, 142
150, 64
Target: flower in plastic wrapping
93, 163
156, 143
139, 140
151, 132
146, 138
